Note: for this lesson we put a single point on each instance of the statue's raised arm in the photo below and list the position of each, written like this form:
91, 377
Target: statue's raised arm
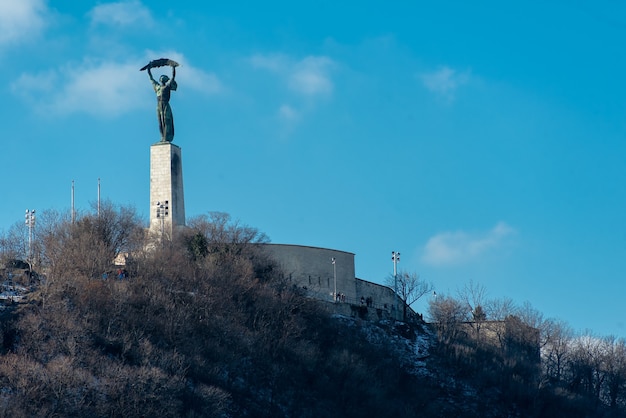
163, 89
151, 78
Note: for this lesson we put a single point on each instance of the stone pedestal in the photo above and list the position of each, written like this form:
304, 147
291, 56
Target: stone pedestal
167, 201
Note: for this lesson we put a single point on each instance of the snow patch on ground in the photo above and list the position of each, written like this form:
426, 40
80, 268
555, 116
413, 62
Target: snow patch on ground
411, 343
12, 292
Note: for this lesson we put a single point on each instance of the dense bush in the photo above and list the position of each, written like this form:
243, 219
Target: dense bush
204, 326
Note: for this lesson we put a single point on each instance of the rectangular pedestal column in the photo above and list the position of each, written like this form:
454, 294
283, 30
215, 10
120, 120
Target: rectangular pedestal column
167, 201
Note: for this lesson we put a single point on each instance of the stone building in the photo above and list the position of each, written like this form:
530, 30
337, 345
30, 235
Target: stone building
313, 270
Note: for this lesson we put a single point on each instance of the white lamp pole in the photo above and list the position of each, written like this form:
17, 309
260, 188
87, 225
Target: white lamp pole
335, 275
30, 222
72, 204
395, 257
98, 197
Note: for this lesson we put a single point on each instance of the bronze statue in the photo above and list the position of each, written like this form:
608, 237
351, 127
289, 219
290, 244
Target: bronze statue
163, 91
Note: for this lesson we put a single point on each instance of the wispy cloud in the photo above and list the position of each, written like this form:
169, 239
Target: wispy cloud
289, 117
201, 81
460, 247
288, 113
309, 76
20, 20
444, 82
104, 89
306, 81
124, 13
277, 63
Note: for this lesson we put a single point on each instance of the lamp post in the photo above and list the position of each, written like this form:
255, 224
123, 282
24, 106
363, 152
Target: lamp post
335, 275
30, 222
395, 257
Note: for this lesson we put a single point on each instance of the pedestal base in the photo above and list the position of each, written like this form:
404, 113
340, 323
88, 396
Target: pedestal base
167, 201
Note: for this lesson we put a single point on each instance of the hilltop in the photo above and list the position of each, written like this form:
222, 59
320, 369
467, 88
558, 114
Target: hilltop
206, 325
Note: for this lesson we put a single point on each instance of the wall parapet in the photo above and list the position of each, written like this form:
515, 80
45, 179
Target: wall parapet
312, 269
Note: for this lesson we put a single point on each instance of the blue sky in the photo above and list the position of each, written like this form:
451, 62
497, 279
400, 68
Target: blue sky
483, 142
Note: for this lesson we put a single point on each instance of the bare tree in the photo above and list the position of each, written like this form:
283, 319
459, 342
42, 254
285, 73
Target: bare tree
14, 243
90, 244
615, 369
499, 309
411, 288
556, 351
530, 316
219, 228
473, 295
217, 241
585, 365
447, 313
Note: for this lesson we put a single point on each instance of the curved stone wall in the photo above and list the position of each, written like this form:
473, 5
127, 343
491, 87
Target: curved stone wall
311, 268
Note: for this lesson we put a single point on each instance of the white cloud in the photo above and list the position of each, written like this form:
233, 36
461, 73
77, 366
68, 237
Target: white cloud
307, 77
444, 82
460, 247
310, 76
274, 62
105, 89
288, 113
21, 19
198, 80
289, 117
124, 13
